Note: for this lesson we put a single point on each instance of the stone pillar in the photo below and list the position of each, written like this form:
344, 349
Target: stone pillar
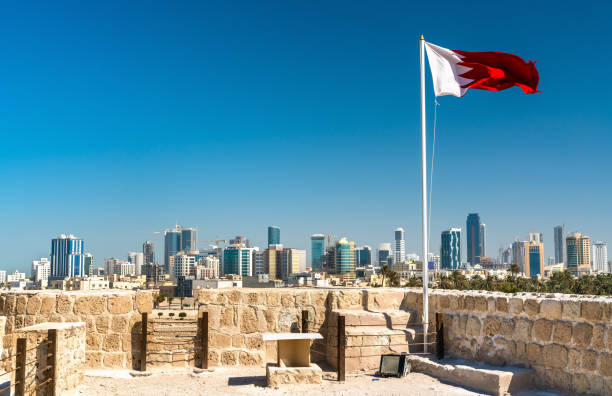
70, 361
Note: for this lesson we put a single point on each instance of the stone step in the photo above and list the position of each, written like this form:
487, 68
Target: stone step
390, 319
481, 377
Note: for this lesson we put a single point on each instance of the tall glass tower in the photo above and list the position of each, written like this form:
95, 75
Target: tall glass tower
172, 245
188, 239
450, 249
67, 257
400, 245
273, 235
473, 238
345, 256
317, 249
148, 252
559, 244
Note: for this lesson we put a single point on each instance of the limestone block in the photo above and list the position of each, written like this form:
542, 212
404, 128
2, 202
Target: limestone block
589, 360
501, 304
33, 305
229, 358
20, 307
103, 323
64, 304
550, 309
534, 353
273, 299
605, 364
492, 325
112, 343
94, 305
591, 310
234, 297
444, 302
291, 376
580, 383
473, 326
562, 333
113, 360
571, 309
531, 307
94, 341
596, 384
120, 304
574, 359
542, 330
220, 340
598, 341
143, 302
515, 305
554, 355
213, 358
120, 324
491, 305
249, 358
93, 359
228, 318
522, 329
47, 304
558, 378
506, 328
469, 303
481, 304
248, 320
582, 334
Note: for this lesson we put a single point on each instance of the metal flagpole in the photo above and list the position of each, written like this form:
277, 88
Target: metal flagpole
424, 189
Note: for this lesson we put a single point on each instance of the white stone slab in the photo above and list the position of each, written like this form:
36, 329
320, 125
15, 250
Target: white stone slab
290, 336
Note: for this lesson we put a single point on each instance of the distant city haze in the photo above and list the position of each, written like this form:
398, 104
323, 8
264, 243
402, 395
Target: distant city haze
235, 116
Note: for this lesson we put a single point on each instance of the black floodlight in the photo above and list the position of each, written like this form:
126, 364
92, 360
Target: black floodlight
394, 365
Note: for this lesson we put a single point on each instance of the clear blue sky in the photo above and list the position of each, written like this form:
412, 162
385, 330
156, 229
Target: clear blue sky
124, 117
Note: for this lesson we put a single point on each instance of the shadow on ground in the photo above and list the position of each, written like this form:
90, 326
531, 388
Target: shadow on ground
257, 380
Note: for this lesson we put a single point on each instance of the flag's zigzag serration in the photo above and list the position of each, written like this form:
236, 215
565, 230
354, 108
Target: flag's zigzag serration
455, 71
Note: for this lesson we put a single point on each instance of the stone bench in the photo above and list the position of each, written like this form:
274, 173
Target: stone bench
293, 360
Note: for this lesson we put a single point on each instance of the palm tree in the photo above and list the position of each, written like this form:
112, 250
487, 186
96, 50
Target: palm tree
514, 269
385, 271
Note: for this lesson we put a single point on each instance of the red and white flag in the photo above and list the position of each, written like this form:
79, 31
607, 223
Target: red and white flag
454, 72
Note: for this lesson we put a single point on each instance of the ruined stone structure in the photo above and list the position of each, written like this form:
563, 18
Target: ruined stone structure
566, 339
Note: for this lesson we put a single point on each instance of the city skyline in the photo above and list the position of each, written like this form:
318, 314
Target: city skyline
313, 94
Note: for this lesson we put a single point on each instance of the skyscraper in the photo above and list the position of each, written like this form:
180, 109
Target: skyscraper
189, 239
136, 258
89, 264
344, 260
400, 245
518, 254
450, 249
178, 239
600, 256
41, 269
273, 261
273, 235
483, 239
559, 244
238, 260
363, 256
578, 254
385, 257
534, 258
536, 237
148, 252
473, 238
67, 257
317, 249
172, 245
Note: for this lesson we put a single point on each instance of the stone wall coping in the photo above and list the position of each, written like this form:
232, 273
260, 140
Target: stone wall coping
52, 325
53, 292
290, 336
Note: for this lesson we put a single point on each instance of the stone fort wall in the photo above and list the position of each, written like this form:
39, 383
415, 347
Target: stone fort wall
566, 339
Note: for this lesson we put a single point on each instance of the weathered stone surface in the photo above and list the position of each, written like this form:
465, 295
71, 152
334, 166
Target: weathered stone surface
229, 358
473, 327
522, 329
94, 305
591, 310
506, 328
248, 320
550, 309
554, 355
605, 364
291, 376
112, 343
574, 360
143, 302
491, 325
582, 334
598, 341
589, 360
562, 333
542, 330
249, 358
47, 304
531, 307
33, 305
516, 305
120, 304
534, 352
501, 304
571, 309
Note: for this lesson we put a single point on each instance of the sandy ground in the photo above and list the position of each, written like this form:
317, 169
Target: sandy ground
249, 381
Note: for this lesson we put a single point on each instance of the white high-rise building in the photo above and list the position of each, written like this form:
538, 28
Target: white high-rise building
599, 256
41, 269
136, 258
483, 239
400, 245
385, 256
2, 277
184, 265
